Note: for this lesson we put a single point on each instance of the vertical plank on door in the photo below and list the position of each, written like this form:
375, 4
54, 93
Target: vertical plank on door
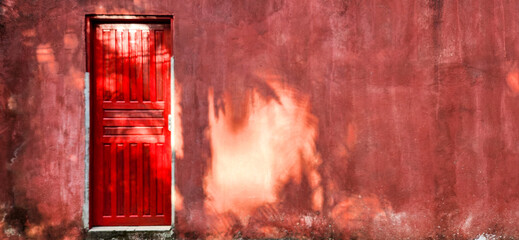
126, 67
138, 64
140, 169
106, 65
113, 180
107, 153
159, 54
160, 178
146, 176
153, 179
120, 178
133, 178
153, 87
119, 66
145, 66
133, 80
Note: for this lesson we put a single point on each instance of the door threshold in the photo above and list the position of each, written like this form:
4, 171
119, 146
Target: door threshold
131, 229
130, 232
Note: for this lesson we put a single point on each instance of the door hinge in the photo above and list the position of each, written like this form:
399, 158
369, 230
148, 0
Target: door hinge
169, 122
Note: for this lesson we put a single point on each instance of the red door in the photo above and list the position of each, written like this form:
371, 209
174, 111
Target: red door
131, 167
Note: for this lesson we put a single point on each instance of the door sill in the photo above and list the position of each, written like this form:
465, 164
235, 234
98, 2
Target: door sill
131, 229
130, 232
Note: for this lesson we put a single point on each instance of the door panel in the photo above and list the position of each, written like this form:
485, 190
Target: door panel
131, 167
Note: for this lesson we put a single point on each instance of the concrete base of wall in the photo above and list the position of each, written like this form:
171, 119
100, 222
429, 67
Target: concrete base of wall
151, 232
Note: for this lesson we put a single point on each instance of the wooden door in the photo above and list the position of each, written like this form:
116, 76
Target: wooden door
131, 167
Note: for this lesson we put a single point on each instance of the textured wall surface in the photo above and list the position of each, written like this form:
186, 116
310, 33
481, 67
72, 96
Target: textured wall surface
308, 118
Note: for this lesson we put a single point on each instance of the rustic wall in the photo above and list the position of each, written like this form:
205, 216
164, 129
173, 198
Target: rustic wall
307, 118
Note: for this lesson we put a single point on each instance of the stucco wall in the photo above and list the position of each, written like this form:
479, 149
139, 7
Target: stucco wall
307, 118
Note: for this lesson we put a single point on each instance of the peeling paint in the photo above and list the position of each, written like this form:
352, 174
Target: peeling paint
16, 152
486, 236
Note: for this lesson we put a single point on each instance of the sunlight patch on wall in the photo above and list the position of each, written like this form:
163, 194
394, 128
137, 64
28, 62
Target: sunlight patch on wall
46, 59
275, 145
179, 140
513, 82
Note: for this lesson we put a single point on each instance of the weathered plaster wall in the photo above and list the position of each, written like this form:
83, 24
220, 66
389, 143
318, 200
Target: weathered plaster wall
310, 118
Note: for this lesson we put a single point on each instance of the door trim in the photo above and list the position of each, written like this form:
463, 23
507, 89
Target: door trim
90, 21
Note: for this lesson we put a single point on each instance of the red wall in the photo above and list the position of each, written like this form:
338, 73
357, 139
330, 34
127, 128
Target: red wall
370, 119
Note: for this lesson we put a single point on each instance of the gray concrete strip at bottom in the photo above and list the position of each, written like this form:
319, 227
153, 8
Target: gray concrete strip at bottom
131, 229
